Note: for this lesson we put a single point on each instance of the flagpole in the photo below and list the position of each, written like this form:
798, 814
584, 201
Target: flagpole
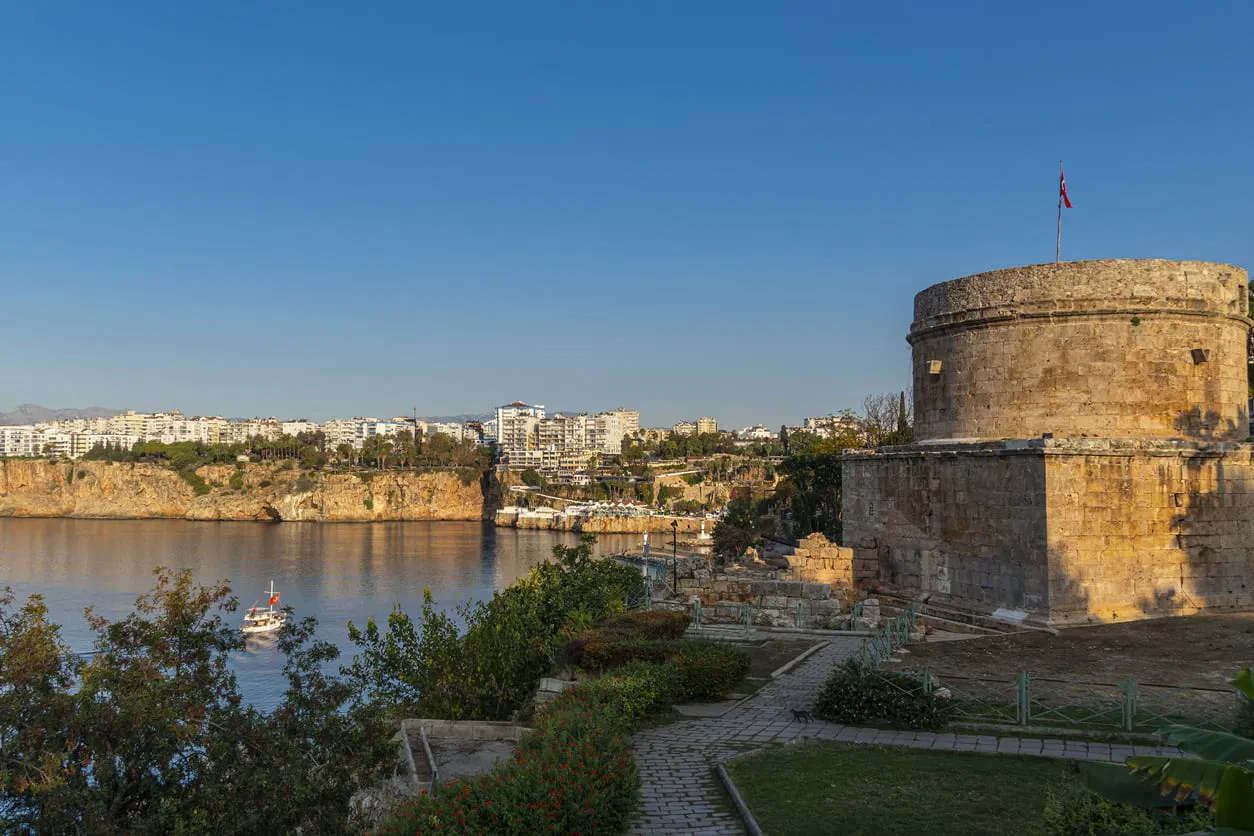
1058, 246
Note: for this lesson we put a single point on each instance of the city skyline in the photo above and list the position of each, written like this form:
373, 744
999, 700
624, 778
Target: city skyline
709, 209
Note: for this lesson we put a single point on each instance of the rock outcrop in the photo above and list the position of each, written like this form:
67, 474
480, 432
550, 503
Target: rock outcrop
95, 489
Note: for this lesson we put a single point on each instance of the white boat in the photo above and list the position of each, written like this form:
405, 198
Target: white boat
264, 620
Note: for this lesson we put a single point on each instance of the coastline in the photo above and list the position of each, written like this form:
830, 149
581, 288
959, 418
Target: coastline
263, 492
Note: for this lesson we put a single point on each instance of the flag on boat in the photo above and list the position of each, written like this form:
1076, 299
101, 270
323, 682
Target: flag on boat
274, 599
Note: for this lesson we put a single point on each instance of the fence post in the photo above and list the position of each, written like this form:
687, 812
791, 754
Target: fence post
648, 595
801, 621
1129, 703
927, 680
748, 616
696, 613
1024, 699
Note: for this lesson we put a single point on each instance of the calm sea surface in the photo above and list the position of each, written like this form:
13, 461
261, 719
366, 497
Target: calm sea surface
337, 572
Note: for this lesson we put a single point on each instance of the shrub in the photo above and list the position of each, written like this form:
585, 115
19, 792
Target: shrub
237, 481
599, 655
706, 670
636, 689
1072, 810
490, 670
647, 624
573, 773
857, 693
304, 484
369, 503
264, 483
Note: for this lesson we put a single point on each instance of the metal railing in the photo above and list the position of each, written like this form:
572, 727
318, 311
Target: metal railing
896, 632
1026, 700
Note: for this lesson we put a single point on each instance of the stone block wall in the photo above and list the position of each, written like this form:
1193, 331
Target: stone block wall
819, 560
1071, 530
1142, 529
767, 598
1107, 349
966, 521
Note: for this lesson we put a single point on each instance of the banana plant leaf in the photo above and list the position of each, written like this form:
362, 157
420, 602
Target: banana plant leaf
1211, 745
1117, 783
1236, 799
1244, 683
1181, 777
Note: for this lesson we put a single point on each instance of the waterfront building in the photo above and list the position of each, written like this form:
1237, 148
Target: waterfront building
19, 441
517, 426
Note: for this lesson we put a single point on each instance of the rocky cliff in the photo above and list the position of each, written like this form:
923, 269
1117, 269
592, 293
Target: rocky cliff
42, 488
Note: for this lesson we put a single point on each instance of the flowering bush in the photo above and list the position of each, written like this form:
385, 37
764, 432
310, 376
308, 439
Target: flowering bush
573, 773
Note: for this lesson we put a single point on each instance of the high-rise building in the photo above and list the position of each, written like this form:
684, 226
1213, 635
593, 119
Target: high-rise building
706, 424
517, 434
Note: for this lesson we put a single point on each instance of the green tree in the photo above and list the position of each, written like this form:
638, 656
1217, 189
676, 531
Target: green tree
811, 489
150, 734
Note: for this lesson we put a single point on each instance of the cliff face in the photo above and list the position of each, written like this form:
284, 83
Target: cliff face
41, 488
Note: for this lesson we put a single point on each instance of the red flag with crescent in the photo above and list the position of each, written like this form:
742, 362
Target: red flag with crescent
274, 599
1062, 189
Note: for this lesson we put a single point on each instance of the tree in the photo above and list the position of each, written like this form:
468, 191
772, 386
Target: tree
740, 528
811, 488
783, 437
150, 734
532, 477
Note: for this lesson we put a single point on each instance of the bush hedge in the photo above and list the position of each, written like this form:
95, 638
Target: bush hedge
637, 688
857, 693
646, 624
602, 654
1072, 810
706, 670
573, 773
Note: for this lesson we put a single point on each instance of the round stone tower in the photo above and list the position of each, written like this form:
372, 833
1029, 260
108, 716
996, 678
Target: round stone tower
1117, 348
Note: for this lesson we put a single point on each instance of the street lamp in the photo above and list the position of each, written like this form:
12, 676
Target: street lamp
675, 556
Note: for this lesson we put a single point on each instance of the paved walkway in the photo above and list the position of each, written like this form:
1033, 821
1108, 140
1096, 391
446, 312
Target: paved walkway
679, 793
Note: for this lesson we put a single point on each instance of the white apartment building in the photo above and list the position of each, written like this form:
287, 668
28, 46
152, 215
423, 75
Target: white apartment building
706, 424
517, 434
341, 431
830, 426
19, 440
298, 427
684, 428
757, 433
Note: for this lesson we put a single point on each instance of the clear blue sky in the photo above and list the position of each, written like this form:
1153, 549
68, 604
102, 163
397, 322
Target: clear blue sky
717, 208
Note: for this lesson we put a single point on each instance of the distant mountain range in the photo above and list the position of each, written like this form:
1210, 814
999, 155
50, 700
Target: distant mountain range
29, 413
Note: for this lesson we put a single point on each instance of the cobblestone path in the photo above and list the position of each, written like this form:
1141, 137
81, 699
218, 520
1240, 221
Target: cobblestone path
680, 794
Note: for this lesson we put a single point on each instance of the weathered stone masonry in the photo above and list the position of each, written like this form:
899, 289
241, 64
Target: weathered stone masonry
1079, 454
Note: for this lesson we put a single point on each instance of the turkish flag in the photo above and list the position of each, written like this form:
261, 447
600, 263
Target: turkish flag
1062, 189
274, 599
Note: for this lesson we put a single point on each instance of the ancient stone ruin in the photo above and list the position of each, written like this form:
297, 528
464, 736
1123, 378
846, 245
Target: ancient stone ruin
1080, 446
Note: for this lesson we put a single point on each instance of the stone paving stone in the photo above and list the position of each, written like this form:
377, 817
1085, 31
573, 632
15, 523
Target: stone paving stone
680, 794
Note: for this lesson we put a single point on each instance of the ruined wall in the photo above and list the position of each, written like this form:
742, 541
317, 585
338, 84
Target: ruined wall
1148, 528
818, 560
1093, 348
961, 521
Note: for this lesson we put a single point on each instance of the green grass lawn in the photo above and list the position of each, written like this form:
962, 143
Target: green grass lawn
816, 788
